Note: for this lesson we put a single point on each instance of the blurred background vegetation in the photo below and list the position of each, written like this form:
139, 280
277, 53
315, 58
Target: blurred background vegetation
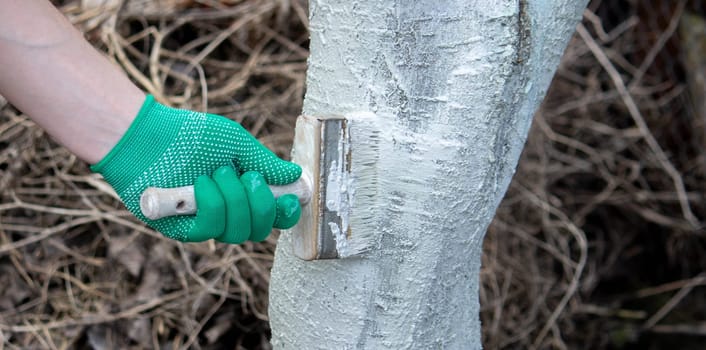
599, 243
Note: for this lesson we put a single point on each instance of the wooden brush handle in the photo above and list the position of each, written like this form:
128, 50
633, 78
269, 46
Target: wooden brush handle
156, 203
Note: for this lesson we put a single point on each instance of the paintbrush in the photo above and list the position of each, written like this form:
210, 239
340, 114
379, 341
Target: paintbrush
338, 156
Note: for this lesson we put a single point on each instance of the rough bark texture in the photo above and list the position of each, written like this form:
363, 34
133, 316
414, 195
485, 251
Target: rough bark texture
455, 85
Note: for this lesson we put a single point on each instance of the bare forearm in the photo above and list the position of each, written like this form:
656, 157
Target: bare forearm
52, 74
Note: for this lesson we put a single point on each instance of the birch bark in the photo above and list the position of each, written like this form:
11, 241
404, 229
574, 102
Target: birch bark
455, 83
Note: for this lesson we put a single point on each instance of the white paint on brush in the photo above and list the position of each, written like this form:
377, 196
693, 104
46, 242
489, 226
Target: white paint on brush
358, 185
450, 88
337, 200
333, 187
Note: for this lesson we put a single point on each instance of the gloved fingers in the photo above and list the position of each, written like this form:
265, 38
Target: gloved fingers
237, 208
262, 205
254, 156
275, 170
210, 218
288, 211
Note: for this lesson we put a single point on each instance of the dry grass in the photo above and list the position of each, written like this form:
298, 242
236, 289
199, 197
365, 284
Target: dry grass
78, 270
597, 244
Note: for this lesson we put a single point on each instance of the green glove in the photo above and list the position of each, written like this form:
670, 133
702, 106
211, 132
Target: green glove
167, 147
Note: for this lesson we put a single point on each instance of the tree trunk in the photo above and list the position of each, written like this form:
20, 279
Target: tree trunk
456, 84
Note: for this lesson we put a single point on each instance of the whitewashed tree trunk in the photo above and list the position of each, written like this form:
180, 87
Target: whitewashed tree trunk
456, 84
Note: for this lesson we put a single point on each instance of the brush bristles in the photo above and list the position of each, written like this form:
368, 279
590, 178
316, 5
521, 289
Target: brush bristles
362, 185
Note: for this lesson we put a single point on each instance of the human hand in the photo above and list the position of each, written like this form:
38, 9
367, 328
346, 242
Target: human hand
167, 147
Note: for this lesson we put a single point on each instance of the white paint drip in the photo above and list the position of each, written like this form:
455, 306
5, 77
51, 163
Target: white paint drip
333, 188
339, 197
